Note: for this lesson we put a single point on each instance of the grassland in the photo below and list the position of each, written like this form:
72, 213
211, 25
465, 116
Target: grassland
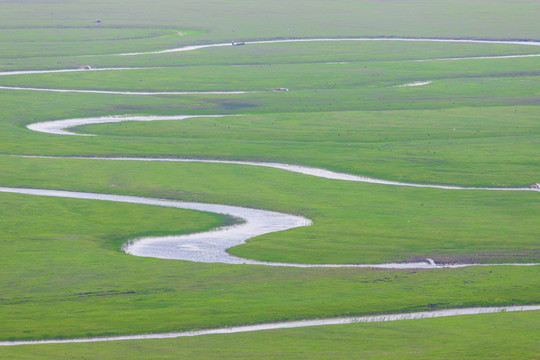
486, 336
280, 18
64, 281
430, 134
425, 222
62, 271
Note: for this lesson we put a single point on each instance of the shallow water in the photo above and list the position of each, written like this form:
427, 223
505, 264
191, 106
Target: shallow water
57, 126
29, 72
481, 57
289, 325
207, 246
198, 47
417, 83
306, 170
143, 93
211, 246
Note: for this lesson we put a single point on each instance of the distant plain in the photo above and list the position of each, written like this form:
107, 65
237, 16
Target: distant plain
476, 124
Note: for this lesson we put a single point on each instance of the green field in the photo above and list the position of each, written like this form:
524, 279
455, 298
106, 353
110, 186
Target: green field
63, 273
497, 336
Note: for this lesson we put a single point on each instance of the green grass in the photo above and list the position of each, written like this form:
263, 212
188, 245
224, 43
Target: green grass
290, 71
39, 43
353, 222
494, 336
456, 146
332, 117
64, 281
274, 54
62, 271
226, 21
452, 146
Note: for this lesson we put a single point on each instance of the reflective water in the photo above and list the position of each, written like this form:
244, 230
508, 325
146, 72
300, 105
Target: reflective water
417, 83
200, 247
198, 47
289, 325
29, 72
211, 246
58, 126
143, 93
306, 170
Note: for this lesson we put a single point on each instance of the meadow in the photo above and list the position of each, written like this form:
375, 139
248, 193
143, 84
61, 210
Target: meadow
476, 123
429, 338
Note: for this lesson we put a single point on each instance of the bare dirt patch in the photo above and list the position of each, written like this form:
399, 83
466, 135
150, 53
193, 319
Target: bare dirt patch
499, 257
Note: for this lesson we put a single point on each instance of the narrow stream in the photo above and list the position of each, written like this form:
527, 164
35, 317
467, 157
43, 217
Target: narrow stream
306, 170
466, 41
211, 246
288, 325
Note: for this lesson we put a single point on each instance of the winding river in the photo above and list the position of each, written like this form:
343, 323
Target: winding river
306, 170
206, 46
211, 246
434, 40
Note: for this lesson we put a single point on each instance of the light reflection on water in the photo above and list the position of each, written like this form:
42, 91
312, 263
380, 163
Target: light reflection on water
290, 325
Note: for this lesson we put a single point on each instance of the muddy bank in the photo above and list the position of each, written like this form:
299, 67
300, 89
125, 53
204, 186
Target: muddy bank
510, 257
481, 57
200, 247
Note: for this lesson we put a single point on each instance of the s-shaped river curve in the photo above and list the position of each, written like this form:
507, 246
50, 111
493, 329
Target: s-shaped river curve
212, 246
188, 244
257, 222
